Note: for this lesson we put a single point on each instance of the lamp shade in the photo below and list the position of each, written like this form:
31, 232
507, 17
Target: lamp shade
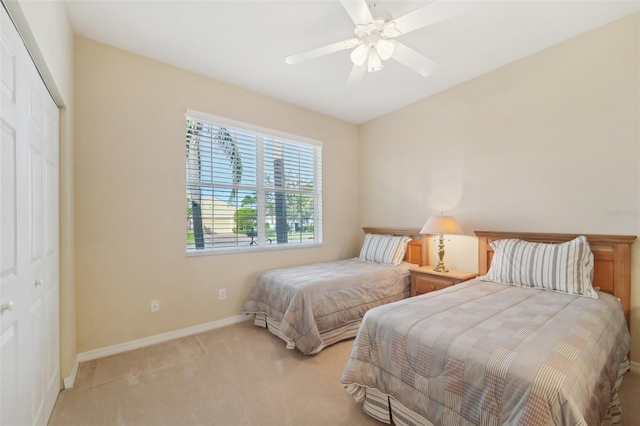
359, 54
441, 225
375, 63
385, 49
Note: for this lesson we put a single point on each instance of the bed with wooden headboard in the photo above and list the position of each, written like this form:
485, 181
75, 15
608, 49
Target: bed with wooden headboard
313, 306
494, 352
611, 253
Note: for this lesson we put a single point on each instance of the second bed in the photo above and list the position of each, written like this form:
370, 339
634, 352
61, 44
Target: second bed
313, 306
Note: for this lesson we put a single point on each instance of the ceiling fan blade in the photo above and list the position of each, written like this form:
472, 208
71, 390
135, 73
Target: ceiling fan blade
355, 77
320, 51
358, 11
430, 14
414, 60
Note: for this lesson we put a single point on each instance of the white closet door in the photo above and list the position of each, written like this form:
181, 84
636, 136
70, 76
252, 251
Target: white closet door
44, 248
29, 268
13, 390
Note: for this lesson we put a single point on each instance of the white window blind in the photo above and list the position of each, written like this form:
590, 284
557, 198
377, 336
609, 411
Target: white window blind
250, 188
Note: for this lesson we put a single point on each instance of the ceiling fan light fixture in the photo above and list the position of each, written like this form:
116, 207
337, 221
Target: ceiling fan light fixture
374, 36
389, 30
385, 49
379, 23
359, 54
360, 31
375, 63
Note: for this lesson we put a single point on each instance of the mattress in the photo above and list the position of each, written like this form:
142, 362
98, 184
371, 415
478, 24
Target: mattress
490, 353
304, 303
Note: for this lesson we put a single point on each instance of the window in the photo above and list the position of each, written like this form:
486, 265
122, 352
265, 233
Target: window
250, 188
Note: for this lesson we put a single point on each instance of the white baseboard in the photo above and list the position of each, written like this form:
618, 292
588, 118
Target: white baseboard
635, 367
147, 341
69, 381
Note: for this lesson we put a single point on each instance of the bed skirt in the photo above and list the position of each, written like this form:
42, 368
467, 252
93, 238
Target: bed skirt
329, 337
384, 407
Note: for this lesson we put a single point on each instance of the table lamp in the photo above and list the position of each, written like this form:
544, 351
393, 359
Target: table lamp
441, 225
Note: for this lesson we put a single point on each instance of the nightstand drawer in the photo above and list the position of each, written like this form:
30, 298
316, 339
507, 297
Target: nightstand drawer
426, 284
425, 280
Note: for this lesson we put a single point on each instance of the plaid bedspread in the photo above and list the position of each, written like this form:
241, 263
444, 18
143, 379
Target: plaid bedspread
491, 354
310, 299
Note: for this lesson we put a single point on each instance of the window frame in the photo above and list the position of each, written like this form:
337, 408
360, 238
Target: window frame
261, 133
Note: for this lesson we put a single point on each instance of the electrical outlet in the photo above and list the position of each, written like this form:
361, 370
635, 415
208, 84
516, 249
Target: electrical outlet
223, 293
155, 305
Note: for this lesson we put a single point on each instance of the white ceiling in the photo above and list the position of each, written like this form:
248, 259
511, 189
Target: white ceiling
245, 42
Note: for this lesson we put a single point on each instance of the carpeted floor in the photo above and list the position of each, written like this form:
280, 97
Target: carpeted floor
630, 399
236, 375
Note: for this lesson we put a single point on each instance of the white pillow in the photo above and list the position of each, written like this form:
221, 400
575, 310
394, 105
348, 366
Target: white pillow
565, 267
382, 248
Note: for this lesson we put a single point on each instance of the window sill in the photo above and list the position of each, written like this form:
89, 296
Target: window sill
250, 249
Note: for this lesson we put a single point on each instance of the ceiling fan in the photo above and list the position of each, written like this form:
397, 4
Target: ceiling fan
375, 35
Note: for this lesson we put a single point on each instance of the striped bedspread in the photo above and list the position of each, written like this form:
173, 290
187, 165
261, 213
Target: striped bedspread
490, 354
307, 301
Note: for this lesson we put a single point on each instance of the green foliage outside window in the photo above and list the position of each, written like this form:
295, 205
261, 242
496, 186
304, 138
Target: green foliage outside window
246, 219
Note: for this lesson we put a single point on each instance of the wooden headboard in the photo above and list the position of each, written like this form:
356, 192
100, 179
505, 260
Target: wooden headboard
611, 253
418, 248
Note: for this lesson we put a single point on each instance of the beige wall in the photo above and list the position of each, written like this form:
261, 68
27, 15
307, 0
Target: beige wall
545, 144
45, 27
130, 186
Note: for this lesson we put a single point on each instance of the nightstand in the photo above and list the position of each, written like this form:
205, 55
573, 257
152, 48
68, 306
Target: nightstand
424, 279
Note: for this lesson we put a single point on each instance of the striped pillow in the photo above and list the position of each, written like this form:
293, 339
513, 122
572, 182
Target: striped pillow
382, 248
566, 267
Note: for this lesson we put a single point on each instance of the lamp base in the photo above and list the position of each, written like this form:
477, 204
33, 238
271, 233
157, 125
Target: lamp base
440, 268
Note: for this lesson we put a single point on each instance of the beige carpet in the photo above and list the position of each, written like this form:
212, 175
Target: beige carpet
236, 375
137, 362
